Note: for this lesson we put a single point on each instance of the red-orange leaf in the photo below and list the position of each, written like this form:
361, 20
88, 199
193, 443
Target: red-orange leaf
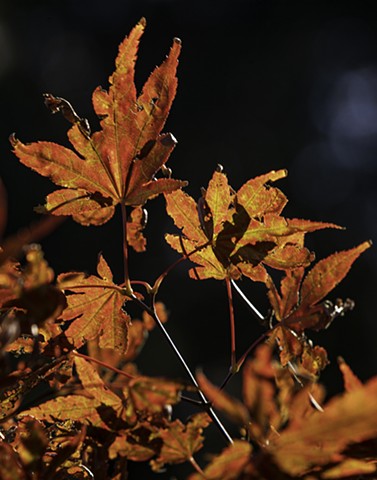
229, 465
95, 308
180, 441
227, 234
351, 382
119, 162
135, 227
327, 273
322, 437
222, 401
99, 407
321, 279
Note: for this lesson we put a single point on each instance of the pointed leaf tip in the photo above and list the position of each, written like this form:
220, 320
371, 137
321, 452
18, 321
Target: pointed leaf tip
168, 140
13, 140
143, 22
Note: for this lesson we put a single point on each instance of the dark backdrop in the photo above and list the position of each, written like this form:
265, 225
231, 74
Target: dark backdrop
262, 85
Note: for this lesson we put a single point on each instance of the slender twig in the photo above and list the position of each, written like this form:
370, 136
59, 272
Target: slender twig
185, 256
125, 249
205, 404
103, 364
191, 400
148, 288
251, 306
238, 364
197, 467
232, 327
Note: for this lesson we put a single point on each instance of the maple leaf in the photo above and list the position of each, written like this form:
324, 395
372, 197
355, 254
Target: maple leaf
17, 384
220, 400
229, 465
118, 163
27, 296
351, 381
228, 234
99, 407
10, 467
95, 308
180, 441
135, 227
299, 305
321, 439
151, 395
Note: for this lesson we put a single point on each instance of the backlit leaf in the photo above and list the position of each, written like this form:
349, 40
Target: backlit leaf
229, 465
320, 280
98, 407
227, 233
319, 440
135, 227
351, 382
222, 401
119, 162
95, 308
180, 441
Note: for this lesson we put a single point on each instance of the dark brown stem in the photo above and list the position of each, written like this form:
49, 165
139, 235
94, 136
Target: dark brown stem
186, 256
232, 327
127, 282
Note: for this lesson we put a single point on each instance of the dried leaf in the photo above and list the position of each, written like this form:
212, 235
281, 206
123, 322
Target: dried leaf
152, 394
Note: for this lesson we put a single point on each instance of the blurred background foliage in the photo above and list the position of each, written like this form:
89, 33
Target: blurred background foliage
262, 85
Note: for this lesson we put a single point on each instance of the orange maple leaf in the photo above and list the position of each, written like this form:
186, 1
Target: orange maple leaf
299, 305
228, 234
100, 406
118, 163
95, 308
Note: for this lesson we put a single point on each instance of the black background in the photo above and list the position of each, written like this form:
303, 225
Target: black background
262, 85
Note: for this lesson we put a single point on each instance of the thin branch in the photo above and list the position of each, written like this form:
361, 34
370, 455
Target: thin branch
103, 364
205, 404
232, 327
185, 256
197, 467
238, 364
125, 249
250, 305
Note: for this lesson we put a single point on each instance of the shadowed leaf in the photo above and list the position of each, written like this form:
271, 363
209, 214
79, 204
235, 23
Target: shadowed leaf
229, 465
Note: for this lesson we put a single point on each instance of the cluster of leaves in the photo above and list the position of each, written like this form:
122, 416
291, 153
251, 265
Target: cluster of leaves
72, 401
